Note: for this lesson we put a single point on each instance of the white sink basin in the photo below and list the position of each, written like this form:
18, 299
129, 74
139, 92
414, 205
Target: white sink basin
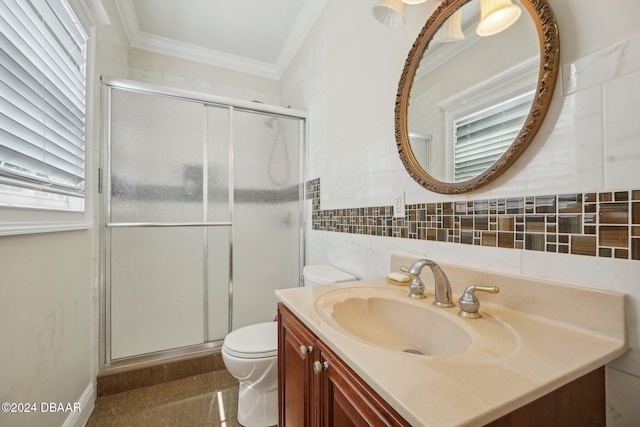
388, 318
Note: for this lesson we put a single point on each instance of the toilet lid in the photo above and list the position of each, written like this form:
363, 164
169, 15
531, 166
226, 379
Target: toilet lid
253, 341
322, 274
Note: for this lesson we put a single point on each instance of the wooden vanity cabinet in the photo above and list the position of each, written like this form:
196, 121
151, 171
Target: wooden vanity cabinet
332, 395
580, 403
337, 397
348, 400
296, 383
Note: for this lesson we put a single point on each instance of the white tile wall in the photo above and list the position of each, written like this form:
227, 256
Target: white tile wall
588, 142
622, 399
622, 127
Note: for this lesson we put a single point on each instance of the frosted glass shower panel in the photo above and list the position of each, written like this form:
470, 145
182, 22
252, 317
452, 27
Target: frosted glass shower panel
218, 160
218, 239
156, 289
266, 213
202, 218
157, 158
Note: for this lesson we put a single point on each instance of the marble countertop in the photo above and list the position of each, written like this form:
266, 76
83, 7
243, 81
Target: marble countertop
467, 390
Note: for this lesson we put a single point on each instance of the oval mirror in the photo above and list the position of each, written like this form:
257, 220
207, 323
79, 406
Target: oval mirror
468, 104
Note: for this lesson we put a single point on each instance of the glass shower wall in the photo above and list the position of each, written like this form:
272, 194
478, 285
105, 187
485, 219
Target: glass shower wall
203, 220
267, 231
156, 290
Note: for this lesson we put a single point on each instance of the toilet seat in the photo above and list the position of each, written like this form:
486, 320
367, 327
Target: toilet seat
253, 342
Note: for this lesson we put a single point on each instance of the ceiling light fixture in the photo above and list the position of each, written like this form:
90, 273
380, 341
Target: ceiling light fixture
451, 30
389, 12
496, 16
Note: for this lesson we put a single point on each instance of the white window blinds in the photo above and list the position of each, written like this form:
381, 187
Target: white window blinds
482, 136
42, 104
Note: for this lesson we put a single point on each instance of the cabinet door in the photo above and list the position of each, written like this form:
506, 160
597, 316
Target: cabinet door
347, 400
297, 386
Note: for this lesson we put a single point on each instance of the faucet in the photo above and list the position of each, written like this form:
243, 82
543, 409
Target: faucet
469, 304
416, 287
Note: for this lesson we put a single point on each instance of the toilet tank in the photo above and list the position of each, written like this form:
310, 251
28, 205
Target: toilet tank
322, 274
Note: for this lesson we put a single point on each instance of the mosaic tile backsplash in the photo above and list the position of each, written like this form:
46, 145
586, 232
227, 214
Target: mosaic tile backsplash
603, 224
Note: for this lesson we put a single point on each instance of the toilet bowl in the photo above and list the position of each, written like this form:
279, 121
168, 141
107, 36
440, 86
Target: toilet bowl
250, 355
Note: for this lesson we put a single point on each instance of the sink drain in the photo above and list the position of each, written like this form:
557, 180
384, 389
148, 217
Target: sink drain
413, 351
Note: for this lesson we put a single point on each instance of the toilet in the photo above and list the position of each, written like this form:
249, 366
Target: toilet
250, 354
323, 274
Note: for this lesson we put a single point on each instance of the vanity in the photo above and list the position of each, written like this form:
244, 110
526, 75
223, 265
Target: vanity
536, 355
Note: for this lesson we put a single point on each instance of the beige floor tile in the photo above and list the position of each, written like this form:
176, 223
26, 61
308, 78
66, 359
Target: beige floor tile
208, 400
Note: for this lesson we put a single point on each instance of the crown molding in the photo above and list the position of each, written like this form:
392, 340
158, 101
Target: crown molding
90, 12
142, 40
203, 55
307, 17
435, 57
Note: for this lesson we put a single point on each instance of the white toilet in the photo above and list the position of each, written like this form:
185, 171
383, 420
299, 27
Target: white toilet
250, 354
323, 274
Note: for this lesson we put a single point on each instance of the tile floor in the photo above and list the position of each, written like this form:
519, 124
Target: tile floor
209, 399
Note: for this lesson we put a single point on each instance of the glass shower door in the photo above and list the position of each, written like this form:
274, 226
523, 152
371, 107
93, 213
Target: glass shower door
203, 212
168, 270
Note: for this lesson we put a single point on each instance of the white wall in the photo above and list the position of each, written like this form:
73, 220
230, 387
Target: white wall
179, 73
49, 290
111, 60
352, 64
167, 70
45, 322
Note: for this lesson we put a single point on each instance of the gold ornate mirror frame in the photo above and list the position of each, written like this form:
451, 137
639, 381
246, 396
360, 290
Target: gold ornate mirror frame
547, 29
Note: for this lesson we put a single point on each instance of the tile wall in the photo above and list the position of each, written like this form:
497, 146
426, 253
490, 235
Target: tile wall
603, 224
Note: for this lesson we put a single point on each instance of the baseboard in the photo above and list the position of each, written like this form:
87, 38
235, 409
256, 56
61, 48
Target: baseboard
87, 401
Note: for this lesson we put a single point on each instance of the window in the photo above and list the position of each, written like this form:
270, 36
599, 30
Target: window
42, 105
482, 136
485, 118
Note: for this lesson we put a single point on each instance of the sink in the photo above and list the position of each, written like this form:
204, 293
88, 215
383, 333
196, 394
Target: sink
389, 319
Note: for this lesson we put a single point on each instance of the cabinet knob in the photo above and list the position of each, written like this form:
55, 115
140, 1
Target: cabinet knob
304, 350
319, 367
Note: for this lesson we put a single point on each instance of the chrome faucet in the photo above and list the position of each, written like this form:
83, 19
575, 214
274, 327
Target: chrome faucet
469, 304
416, 287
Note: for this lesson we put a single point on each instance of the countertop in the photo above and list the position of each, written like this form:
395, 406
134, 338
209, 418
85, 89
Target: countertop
472, 390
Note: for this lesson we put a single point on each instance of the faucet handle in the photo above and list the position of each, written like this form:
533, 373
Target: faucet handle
416, 287
469, 304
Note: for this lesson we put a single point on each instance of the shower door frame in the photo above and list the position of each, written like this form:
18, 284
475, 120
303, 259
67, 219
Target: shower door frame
109, 84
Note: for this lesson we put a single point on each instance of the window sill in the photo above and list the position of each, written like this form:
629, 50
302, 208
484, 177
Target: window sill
16, 228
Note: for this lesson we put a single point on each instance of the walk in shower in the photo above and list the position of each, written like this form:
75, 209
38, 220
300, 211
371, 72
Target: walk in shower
203, 217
